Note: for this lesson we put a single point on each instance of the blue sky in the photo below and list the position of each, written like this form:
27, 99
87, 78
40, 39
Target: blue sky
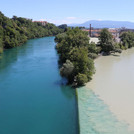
69, 11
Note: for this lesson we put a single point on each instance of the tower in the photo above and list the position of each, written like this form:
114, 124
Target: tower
90, 28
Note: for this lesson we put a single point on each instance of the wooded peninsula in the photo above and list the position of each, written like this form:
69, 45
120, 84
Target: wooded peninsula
77, 54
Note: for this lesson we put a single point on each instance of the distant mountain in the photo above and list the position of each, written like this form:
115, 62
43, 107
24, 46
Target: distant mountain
106, 24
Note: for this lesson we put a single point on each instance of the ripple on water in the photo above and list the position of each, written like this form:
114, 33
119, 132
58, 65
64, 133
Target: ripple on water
95, 116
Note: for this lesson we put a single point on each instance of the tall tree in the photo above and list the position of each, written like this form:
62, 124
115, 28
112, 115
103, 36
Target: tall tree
106, 41
127, 39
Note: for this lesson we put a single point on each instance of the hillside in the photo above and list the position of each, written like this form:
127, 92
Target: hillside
17, 30
106, 24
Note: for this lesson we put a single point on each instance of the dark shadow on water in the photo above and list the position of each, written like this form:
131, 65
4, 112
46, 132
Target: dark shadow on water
68, 92
9, 56
113, 54
116, 55
63, 82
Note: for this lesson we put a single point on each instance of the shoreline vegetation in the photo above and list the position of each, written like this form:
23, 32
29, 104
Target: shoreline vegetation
73, 48
77, 54
17, 30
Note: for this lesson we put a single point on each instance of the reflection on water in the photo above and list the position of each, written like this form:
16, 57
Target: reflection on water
10, 56
67, 91
95, 116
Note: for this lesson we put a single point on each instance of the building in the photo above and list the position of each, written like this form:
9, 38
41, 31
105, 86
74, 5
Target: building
43, 23
126, 30
96, 32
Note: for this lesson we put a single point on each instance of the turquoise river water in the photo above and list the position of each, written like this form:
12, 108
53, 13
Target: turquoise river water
33, 99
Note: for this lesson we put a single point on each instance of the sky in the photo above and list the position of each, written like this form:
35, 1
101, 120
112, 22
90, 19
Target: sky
69, 11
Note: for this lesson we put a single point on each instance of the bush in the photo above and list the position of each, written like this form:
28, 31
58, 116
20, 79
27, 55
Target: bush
59, 37
1, 50
92, 48
127, 39
106, 41
81, 79
67, 69
92, 55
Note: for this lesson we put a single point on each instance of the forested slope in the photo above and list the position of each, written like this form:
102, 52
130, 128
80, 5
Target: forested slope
17, 30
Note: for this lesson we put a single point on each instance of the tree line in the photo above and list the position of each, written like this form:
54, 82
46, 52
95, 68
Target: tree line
109, 45
76, 54
17, 30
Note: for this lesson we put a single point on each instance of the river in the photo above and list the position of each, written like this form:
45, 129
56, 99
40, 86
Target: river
106, 104
33, 99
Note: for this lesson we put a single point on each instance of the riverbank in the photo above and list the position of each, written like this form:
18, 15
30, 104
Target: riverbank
106, 103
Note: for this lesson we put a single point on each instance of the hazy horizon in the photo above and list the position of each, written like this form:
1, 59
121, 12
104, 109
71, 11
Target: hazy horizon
68, 12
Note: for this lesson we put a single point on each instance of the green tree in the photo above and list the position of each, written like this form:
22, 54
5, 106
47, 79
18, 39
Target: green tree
106, 41
60, 37
82, 63
74, 46
92, 48
63, 26
81, 79
67, 69
16, 31
127, 39
68, 41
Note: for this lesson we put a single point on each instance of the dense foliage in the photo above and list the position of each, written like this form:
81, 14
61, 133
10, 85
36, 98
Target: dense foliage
77, 54
63, 26
107, 42
17, 30
74, 50
108, 45
127, 39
